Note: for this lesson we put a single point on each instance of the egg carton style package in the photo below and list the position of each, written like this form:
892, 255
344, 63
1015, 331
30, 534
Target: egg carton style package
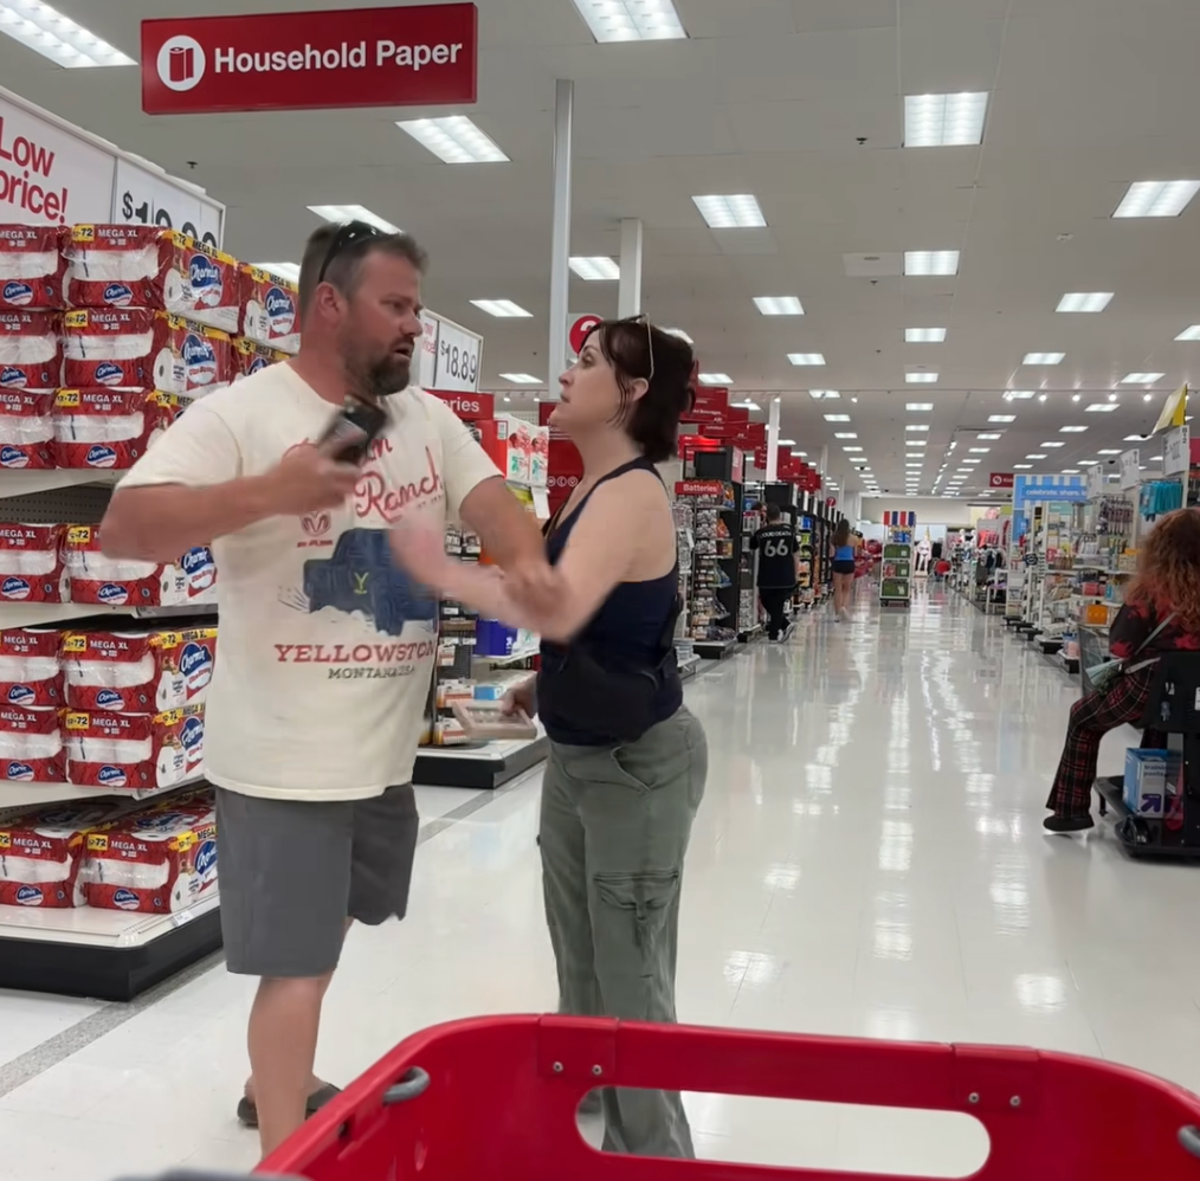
134, 752
157, 860
32, 564
31, 675
139, 348
142, 672
31, 350
121, 266
108, 429
270, 310
116, 582
32, 266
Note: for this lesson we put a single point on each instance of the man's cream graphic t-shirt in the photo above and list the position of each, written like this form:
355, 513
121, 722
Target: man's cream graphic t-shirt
326, 647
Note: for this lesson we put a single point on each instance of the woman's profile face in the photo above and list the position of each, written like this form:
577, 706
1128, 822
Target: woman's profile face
591, 397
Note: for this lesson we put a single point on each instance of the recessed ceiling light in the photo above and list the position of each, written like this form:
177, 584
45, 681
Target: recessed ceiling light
916, 426
680, 333
522, 379
1109, 451
46, 31
1136, 438
912, 465
1147, 397
924, 335
778, 305
1155, 459
837, 418
920, 378
1071, 430
918, 407
715, 379
828, 395
737, 212
353, 213
1002, 418
632, 20
979, 450
1157, 198
852, 448
285, 270
595, 269
1070, 471
1101, 407
800, 454
1053, 444
746, 404
1042, 397
806, 358
454, 139
787, 442
916, 442
1042, 456
971, 462
845, 435
1017, 395
1084, 301
1022, 466
1043, 358
1142, 378
931, 262
989, 436
1192, 333
915, 455
505, 309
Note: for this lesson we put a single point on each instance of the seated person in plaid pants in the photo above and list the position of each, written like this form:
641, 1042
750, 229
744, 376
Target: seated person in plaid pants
1166, 590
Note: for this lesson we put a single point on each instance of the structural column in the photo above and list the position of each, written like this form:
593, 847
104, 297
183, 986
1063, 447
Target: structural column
773, 442
560, 236
629, 291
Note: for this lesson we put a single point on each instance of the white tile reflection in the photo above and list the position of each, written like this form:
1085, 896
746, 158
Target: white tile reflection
1040, 994
896, 846
893, 941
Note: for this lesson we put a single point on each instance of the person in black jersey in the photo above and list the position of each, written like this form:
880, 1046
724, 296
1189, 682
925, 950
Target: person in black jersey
778, 571
628, 762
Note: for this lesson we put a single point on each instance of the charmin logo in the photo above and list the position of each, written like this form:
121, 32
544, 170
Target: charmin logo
118, 295
196, 665
13, 457
112, 594
200, 569
20, 295
109, 699
109, 776
206, 858
181, 63
192, 734
259, 363
126, 900
15, 588
108, 373
18, 772
29, 896
12, 378
281, 311
200, 359
21, 695
206, 280
100, 456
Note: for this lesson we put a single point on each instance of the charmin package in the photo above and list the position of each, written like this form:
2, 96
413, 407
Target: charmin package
119, 582
144, 672
30, 350
27, 429
270, 310
121, 266
103, 428
42, 852
138, 348
134, 752
32, 267
158, 860
30, 672
249, 357
31, 563
31, 745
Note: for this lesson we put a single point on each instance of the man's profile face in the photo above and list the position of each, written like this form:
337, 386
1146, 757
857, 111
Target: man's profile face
382, 324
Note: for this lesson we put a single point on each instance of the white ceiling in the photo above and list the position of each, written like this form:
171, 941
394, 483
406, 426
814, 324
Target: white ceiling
769, 97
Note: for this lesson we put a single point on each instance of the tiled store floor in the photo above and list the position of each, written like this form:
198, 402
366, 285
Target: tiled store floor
868, 861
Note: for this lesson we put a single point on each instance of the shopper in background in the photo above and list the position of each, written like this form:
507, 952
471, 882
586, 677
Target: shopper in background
627, 761
1161, 614
778, 570
313, 755
843, 569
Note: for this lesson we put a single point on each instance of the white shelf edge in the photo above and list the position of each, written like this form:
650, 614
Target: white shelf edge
35, 614
494, 751
89, 926
17, 482
30, 795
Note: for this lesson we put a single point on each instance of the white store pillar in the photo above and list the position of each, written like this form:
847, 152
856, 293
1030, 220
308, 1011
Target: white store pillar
560, 235
773, 442
629, 290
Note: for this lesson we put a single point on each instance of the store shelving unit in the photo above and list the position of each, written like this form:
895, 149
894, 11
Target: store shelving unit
895, 580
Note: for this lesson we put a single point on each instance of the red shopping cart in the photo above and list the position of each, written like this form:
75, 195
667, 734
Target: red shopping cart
495, 1099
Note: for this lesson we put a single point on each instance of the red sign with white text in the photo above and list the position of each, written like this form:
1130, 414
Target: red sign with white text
699, 488
289, 61
1000, 480
710, 405
468, 407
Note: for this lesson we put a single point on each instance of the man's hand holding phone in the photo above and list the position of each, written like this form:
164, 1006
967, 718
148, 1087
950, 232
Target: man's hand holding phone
307, 479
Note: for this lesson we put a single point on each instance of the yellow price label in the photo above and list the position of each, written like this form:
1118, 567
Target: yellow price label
83, 233
74, 643
67, 399
76, 319
5, 840
170, 717
79, 534
76, 721
97, 842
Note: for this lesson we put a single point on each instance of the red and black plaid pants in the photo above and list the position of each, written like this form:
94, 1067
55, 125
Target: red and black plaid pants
1093, 716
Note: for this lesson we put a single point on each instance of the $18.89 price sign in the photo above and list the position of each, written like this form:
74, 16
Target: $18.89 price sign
452, 363
146, 198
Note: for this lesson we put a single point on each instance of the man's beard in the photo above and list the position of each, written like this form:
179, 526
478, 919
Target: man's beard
377, 378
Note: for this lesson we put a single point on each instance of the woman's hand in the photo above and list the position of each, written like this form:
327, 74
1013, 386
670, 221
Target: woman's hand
523, 698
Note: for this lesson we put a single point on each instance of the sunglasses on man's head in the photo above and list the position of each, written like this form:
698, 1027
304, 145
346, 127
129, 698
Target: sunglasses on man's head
349, 235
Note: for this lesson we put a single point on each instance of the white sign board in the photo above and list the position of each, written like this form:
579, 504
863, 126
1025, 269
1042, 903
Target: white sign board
147, 197
1095, 481
1176, 451
450, 355
1131, 470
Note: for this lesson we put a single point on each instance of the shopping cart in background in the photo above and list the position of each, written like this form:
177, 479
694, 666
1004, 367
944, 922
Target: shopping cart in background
495, 1099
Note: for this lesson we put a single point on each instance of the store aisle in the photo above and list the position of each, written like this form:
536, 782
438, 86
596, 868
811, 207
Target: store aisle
869, 861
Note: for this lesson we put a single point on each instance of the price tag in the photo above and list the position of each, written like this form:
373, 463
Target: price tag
1131, 470
143, 197
458, 356
1177, 451
1095, 481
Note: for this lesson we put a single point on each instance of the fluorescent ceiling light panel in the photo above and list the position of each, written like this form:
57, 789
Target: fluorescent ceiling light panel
1070, 471
845, 435
285, 270
1157, 198
454, 139
715, 379
632, 20
46, 31
828, 395
1022, 467
1071, 430
916, 426
918, 407
596, 269
979, 450
1002, 418
778, 305
1102, 407
912, 465
1041, 456
837, 418
738, 212
1109, 451
924, 335
807, 358
1053, 444
1142, 378
983, 437
944, 120
353, 213
853, 448
1043, 358
680, 333
505, 309
1084, 301
931, 262
971, 462
1192, 333
1017, 395
920, 378
522, 379
1135, 438
746, 404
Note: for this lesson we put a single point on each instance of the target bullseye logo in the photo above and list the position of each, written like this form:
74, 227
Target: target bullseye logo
181, 63
581, 329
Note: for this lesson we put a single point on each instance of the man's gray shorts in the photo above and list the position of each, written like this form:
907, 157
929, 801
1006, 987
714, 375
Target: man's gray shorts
292, 872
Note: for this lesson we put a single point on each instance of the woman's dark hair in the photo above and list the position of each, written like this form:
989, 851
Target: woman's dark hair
841, 534
636, 349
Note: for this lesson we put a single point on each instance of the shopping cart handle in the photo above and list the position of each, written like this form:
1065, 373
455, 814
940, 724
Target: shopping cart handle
414, 1083
1189, 1137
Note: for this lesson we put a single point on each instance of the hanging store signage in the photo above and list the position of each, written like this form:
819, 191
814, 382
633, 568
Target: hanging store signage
1000, 480
147, 198
1095, 481
289, 61
714, 488
469, 407
1177, 451
1075, 493
450, 355
1131, 469
580, 328
709, 405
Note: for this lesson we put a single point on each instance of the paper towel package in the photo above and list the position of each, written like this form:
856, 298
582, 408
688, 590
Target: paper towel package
270, 310
32, 266
249, 357
42, 852
156, 861
119, 266
103, 428
134, 752
145, 672
30, 672
31, 351
118, 582
27, 429
31, 745
137, 348
32, 568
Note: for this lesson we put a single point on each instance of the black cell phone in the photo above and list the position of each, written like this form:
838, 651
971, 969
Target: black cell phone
350, 433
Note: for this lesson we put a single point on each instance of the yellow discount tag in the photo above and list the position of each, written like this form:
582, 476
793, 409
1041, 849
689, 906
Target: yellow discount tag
76, 319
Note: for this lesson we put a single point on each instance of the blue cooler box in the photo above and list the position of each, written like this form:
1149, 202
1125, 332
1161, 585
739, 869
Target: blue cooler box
1149, 776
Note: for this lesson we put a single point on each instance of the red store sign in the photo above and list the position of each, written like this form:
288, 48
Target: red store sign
469, 407
287, 61
1001, 480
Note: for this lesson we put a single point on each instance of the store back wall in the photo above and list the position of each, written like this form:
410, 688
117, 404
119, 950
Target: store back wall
930, 510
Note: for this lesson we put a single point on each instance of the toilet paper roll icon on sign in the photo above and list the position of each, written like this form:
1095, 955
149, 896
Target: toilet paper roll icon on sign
181, 63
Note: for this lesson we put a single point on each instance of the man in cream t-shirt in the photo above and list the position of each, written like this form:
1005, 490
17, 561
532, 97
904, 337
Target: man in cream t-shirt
326, 648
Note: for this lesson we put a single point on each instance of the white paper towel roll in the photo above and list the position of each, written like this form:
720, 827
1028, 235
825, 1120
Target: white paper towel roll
79, 346
27, 562
27, 350
28, 264
105, 266
97, 428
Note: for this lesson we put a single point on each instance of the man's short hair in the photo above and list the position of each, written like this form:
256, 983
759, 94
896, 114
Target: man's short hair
774, 513
345, 271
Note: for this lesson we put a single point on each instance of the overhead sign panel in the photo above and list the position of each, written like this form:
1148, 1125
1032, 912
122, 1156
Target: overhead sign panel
287, 61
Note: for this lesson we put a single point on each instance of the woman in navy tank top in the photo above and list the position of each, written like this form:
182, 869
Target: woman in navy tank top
628, 762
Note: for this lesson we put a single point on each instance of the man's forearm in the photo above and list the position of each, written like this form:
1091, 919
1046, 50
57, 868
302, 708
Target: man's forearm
510, 535
158, 523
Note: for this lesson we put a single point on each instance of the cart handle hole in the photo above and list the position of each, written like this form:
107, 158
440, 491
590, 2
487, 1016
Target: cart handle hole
830, 1137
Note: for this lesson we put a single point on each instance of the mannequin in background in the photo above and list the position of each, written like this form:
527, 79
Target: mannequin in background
924, 549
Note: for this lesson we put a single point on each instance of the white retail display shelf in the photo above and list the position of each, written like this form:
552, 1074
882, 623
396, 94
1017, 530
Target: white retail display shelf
487, 766
89, 926
524, 652
17, 482
30, 795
